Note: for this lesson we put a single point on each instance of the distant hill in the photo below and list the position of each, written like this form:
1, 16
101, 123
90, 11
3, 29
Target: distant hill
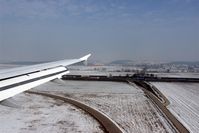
185, 62
134, 63
122, 62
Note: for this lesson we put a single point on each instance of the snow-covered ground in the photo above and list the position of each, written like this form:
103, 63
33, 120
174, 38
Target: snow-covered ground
115, 73
125, 104
184, 102
7, 66
100, 73
179, 75
39, 114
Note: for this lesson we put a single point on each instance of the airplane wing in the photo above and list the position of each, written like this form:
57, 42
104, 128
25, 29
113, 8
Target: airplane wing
16, 80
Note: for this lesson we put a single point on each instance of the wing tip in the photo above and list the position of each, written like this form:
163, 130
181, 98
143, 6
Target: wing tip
84, 58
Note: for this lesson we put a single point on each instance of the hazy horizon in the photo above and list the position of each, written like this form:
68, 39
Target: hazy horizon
42, 30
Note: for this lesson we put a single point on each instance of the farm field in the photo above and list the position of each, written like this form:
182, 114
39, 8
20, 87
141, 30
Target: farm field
184, 103
126, 105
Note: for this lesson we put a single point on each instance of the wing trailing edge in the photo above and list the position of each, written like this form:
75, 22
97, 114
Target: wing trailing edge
16, 80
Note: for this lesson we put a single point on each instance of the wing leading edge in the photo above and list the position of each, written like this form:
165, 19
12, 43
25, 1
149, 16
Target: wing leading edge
16, 80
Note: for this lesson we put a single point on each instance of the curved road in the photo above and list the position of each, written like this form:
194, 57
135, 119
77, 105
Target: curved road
109, 125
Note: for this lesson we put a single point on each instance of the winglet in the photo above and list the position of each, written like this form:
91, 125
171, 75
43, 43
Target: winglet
85, 57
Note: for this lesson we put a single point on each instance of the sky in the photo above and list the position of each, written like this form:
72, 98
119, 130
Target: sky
44, 30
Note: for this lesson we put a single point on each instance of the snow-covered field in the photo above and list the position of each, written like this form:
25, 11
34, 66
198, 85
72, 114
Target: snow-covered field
184, 102
100, 73
115, 73
39, 114
7, 66
179, 75
125, 104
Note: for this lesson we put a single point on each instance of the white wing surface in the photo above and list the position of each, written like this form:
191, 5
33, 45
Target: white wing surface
17, 80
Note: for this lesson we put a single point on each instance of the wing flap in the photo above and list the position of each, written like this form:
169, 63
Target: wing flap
17, 80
